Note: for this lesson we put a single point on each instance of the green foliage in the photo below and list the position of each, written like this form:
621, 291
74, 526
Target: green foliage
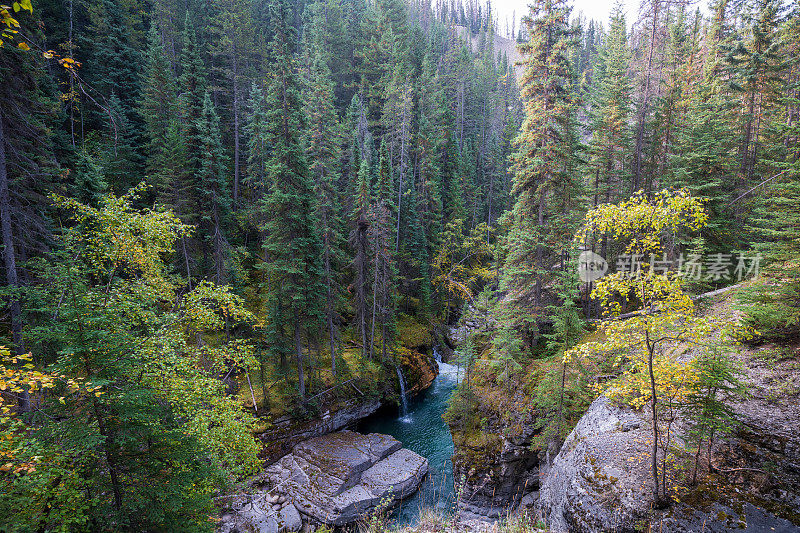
154, 434
708, 407
293, 244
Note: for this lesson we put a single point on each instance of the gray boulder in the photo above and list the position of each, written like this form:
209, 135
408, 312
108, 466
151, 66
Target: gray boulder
338, 478
599, 480
257, 514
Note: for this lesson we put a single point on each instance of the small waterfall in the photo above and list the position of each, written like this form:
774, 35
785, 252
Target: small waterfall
403, 399
447, 371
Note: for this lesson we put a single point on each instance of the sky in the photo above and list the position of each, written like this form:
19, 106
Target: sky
592, 9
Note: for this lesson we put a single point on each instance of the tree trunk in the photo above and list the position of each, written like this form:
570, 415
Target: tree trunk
236, 153
110, 460
657, 501
374, 299
299, 347
329, 310
10, 262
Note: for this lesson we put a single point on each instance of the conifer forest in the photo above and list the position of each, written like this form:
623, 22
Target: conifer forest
229, 227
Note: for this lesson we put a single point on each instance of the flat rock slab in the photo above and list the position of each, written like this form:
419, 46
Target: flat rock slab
338, 478
400, 474
257, 515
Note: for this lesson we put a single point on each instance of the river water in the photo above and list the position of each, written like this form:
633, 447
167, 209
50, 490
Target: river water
422, 430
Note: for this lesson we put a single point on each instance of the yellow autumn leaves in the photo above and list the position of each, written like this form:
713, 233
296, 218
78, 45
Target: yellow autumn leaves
667, 316
10, 23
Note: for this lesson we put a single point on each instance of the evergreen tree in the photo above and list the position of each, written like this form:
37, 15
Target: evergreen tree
293, 242
544, 159
754, 64
258, 153
121, 157
610, 115
429, 143
705, 157
89, 181
773, 304
383, 252
114, 58
213, 192
323, 150
359, 242
158, 105
192, 86
233, 31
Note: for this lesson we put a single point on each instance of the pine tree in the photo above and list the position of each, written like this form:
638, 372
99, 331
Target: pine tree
323, 150
754, 64
233, 31
705, 156
293, 242
430, 141
397, 125
258, 153
115, 59
610, 114
89, 182
158, 105
213, 192
121, 158
383, 252
543, 163
773, 304
359, 242
192, 86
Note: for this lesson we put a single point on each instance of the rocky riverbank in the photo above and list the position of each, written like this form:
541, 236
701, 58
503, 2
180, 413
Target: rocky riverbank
281, 435
599, 479
335, 479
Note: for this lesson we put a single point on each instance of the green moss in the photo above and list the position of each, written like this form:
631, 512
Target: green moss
412, 333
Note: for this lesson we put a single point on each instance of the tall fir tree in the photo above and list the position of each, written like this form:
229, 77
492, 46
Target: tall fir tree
609, 148
543, 163
214, 194
383, 256
323, 150
293, 242
158, 105
359, 243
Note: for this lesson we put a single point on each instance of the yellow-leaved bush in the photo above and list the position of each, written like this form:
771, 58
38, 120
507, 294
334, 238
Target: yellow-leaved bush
654, 347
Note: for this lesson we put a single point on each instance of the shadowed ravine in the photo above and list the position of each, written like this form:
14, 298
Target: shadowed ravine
423, 431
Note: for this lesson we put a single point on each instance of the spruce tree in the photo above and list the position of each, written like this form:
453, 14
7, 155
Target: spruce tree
429, 143
213, 192
359, 243
115, 60
754, 64
773, 304
258, 153
232, 31
543, 163
383, 256
293, 242
158, 105
323, 150
610, 115
192, 86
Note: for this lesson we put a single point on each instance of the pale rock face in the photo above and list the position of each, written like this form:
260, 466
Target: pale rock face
259, 515
599, 479
338, 478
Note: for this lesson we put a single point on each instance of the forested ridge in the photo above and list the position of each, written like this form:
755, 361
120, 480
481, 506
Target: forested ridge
215, 214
